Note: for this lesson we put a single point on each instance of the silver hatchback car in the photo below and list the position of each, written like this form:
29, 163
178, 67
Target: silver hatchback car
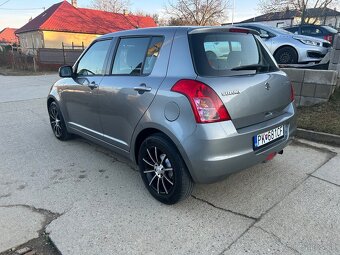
187, 104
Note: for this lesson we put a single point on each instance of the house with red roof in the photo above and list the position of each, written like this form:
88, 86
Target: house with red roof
7, 36
65, 24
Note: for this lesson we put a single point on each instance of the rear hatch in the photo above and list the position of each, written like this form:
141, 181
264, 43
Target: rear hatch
240, 70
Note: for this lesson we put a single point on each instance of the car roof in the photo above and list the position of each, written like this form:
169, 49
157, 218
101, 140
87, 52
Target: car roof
193, 29
328, 28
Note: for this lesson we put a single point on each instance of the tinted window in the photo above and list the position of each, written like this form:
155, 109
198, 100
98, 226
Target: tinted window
294, 30
130, 56
216, 54
312, 31
152, 54
92, 63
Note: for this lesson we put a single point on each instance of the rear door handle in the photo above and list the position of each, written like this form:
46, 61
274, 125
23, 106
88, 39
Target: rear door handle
93, 85
142, 88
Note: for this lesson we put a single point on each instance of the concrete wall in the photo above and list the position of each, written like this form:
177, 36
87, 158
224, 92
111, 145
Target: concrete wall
334, 62
312, 86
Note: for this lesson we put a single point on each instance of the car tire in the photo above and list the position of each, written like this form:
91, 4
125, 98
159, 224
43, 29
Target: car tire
163, 170
57, 122
286, 55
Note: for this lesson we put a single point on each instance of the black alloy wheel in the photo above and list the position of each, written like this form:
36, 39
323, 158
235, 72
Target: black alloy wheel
57, 122
163, 171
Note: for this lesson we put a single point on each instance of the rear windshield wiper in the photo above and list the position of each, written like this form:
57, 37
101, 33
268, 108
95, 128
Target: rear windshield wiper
250, 67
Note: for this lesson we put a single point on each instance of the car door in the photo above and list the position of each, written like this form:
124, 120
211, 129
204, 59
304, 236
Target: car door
126, 93
80, 96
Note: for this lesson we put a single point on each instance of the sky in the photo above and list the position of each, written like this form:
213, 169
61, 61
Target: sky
16, 13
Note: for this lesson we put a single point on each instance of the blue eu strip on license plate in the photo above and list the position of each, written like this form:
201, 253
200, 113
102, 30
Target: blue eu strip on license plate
268, 136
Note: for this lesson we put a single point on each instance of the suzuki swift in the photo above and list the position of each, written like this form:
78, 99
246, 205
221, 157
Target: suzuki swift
186, 104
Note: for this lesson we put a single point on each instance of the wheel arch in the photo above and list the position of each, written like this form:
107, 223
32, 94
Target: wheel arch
148, 131
50, 99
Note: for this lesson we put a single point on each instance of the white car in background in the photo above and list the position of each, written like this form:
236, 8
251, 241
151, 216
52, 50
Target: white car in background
288, 48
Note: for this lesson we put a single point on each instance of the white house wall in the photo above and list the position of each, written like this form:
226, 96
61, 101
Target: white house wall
30, 42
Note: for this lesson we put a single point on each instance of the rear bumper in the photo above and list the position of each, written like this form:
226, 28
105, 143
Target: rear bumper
217, 150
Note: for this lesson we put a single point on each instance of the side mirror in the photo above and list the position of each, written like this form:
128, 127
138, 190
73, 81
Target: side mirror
66, 71
264, 36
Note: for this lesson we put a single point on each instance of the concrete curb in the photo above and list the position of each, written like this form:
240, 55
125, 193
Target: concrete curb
318, 136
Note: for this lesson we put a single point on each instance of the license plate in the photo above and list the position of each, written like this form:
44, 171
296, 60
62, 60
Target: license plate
268, 136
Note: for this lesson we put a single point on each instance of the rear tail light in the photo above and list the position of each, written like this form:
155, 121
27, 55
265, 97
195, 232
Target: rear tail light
205, 103
328, 38
292, 96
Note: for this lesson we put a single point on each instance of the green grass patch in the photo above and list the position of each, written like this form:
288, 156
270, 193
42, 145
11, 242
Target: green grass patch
321, 117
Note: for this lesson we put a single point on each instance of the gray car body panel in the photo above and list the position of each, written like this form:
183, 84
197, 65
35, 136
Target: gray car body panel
287, 39
210, 151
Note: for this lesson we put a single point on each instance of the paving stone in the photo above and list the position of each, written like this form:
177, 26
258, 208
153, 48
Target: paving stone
18, 225
330, 171
253, 191
308, 220
256, 241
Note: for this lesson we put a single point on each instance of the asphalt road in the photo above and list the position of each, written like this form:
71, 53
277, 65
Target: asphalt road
98, 204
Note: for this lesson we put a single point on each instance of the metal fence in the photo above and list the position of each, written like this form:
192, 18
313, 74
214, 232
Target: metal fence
44, 59
58, 56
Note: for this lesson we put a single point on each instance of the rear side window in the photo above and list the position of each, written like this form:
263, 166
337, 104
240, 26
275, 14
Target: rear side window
136, 55
217, 54
152, 54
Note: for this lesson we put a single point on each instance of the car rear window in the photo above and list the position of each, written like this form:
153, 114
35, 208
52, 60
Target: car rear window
218, 54
330, 29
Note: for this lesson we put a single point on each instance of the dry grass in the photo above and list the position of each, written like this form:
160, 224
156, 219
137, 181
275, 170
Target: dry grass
322, 117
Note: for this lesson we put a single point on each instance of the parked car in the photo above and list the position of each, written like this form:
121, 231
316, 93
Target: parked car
288, 48
324, 32
184, 115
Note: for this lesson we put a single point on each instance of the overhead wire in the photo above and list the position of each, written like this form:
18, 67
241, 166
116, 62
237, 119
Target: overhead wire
4, 2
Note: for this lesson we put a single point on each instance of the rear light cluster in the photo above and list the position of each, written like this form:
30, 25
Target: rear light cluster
328, 38
205, 103
239, 30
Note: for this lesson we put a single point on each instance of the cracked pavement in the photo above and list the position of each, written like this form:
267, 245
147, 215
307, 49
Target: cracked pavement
91, 201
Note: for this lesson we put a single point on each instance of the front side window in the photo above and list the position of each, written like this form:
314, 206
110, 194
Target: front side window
294, 30
221, 54
92, 63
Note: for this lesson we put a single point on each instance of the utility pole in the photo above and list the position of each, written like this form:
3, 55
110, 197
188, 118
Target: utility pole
233, 12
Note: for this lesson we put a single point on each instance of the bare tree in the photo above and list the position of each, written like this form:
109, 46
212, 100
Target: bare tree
116, 6
196, 12
269, 6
